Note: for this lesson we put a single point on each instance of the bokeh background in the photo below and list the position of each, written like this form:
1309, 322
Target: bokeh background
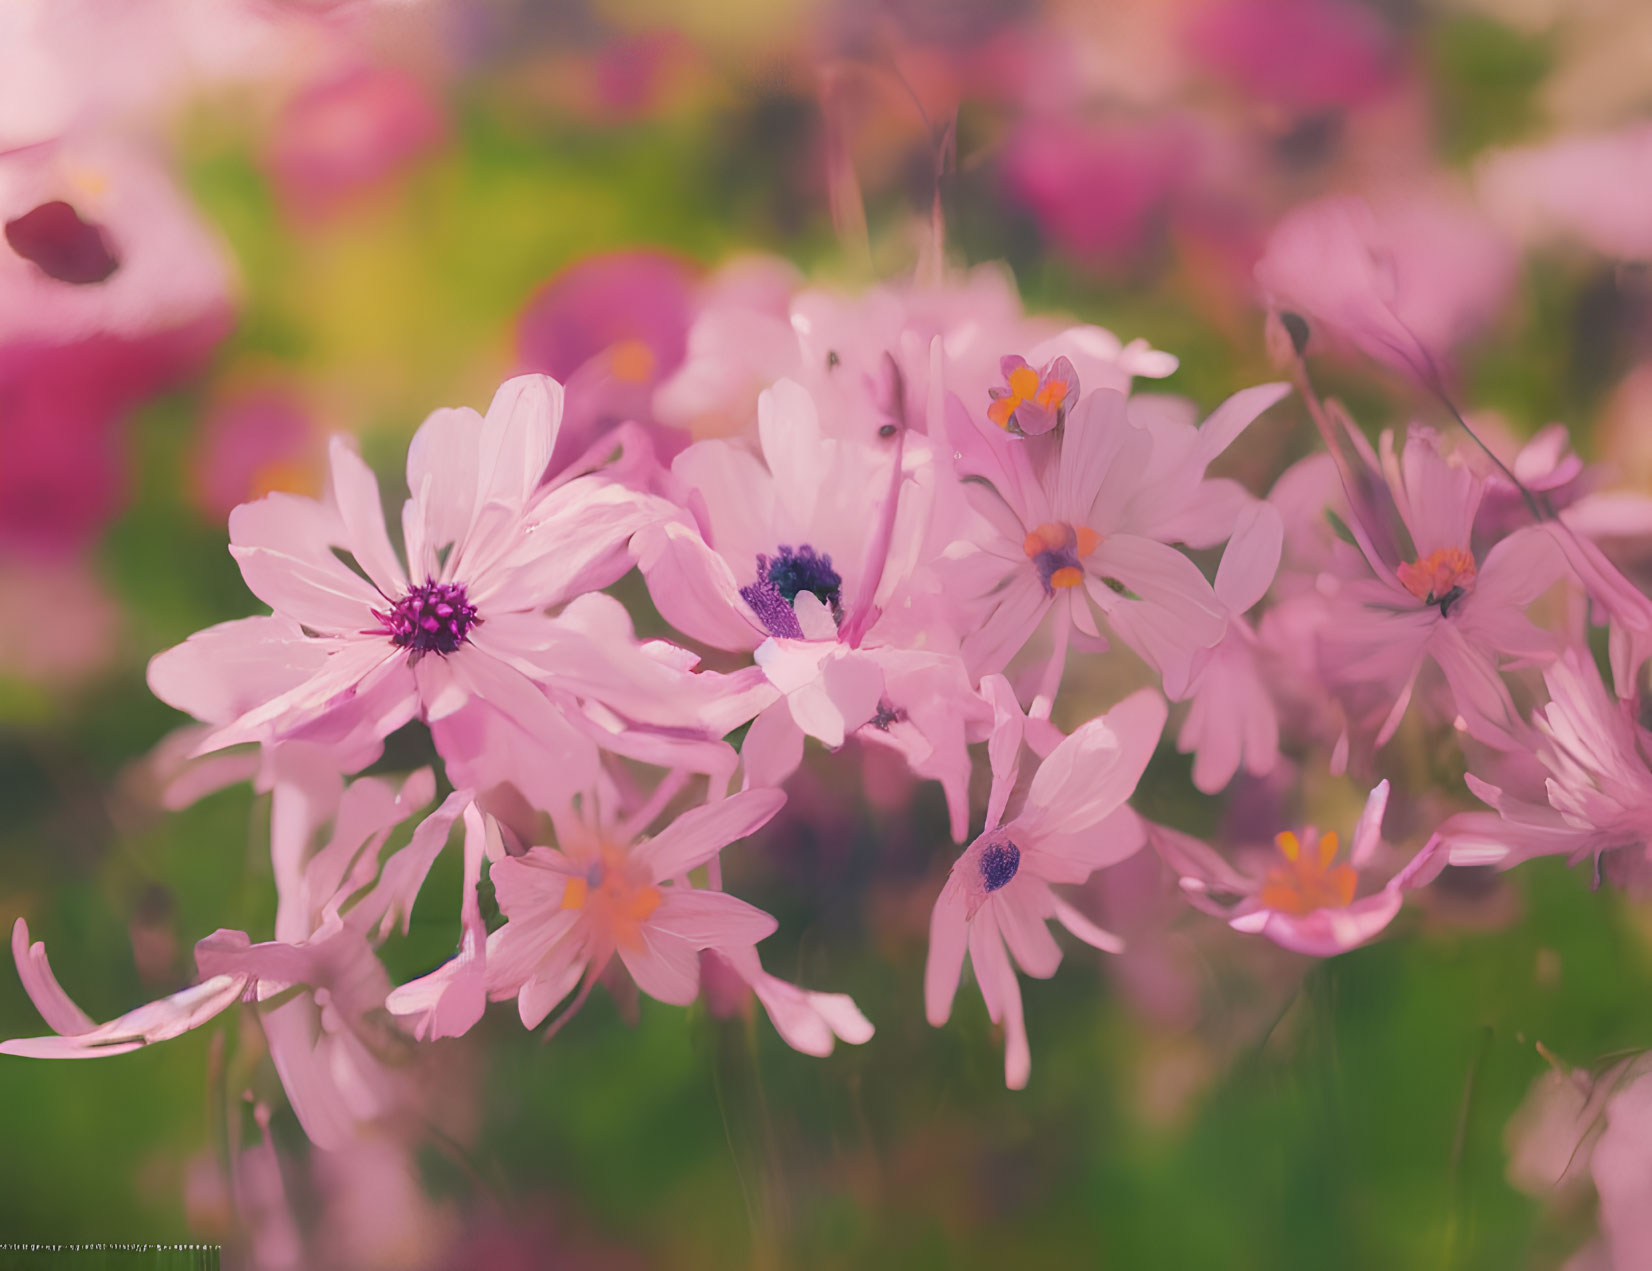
376, 209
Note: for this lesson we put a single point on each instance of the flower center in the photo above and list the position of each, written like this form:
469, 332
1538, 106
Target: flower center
432, 618
614, 894
1032, 401
1056, 550
998, 863
1441, 578
1306, 880
61, 245
781, 577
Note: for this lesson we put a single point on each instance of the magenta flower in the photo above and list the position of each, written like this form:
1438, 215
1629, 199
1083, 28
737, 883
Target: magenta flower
998, 896
353, 651
1305, 901
1086, 517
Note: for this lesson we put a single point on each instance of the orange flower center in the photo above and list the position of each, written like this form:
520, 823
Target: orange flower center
631, 361
1056, 548
616, 894
1438, 578
1306, 880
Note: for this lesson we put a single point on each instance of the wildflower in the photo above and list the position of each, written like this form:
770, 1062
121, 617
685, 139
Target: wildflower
1087, 519
1033, 401
998, 895
354, 652
1306, 899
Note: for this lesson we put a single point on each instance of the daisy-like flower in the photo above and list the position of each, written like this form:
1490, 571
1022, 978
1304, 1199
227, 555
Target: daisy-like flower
602, 893
1085, 516
351, 653
1425, 597
1306, 899
999, 896
807, 555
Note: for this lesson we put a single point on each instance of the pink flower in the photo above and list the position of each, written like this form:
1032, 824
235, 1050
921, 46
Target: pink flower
1402, 285
998, 896
1589, 188
611, 328
1580, 788
1304, 901
354, 651
603, 894
1302, 55
348, 133
1085, 516
1427, 598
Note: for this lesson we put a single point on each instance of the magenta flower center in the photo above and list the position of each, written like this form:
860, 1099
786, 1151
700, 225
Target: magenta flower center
998, 863
431, 618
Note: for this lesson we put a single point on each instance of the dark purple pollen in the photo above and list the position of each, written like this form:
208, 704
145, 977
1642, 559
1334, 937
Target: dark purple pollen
999, 861
55, 240
779, 580
432, 618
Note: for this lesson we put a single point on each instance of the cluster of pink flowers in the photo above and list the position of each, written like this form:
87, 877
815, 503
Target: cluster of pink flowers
892, 521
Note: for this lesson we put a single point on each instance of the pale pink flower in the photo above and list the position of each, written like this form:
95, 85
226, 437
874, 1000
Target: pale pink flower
1304, 901
602, 893
1402, 283
1426, 597
998, 895
350, 654
1085, 516
1580, 787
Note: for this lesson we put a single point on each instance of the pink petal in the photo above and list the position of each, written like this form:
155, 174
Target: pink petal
1251, 559
948, 938
694, 588
1095, 769
1002, 994
229, 669
1086, 930
666, 967
1020, 911
517, 437
700, 833
284, 546
356, 494
1368, 831
711, 919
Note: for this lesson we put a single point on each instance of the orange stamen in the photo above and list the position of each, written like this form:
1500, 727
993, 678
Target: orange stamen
1307, 880
1432, 577
1067, 577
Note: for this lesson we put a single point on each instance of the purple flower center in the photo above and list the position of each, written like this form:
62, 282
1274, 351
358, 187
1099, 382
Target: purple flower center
61, 245
432, 617
999, 862
779, 580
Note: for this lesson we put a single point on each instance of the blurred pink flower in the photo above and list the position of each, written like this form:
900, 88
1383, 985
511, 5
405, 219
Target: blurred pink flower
570, 910
1303, 902
1593, 189
1300, 55
257, 441
998, 896
349, 133
1402, 282
611, 328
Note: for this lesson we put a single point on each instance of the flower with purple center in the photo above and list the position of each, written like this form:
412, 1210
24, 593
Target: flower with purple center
781, 578
432, 617
998, 864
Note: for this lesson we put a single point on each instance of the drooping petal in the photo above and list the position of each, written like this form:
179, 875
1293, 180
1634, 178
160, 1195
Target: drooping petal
700, 833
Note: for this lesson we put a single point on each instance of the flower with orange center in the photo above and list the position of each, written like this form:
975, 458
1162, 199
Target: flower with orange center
1440, 578
1307, 881
1032, 401
616, 893
1057, 549
632, 361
